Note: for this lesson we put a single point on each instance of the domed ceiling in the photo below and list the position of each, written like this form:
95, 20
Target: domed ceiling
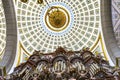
79, 26
2, 30
71, 24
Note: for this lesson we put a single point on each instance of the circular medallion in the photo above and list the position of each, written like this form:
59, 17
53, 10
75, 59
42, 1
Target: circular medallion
57, 18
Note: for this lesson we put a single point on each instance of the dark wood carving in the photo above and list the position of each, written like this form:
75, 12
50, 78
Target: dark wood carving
65, 65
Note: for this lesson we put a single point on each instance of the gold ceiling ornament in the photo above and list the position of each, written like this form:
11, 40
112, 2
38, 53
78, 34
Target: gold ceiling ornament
24, 1
40, 1
57, 18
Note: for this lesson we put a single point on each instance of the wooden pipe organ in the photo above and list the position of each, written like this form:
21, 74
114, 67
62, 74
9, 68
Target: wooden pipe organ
77, 63
93, 69
61, 64
41, 66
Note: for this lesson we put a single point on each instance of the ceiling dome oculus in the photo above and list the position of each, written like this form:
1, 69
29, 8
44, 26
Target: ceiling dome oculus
57, 18
64, 22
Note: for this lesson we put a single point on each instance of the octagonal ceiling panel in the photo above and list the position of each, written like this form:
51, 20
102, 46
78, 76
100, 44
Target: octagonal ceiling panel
81, 24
